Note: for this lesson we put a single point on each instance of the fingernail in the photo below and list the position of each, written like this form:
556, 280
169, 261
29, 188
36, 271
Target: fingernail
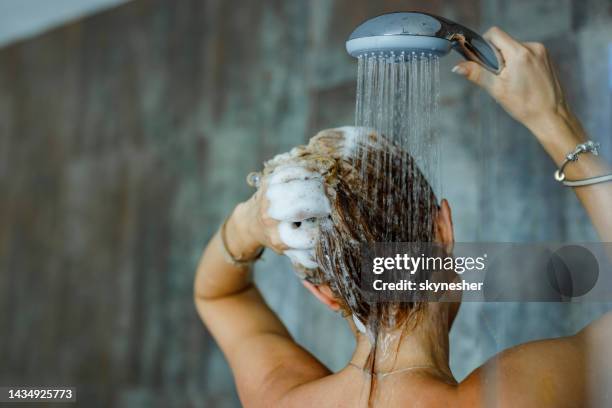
458, 69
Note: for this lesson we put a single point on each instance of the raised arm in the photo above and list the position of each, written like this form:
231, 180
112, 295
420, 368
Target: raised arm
265, 361
529, 90
572, 370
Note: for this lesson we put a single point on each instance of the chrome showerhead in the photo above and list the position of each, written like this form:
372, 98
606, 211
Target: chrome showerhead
408, 32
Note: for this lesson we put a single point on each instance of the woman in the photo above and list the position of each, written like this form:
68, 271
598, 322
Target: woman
401, 356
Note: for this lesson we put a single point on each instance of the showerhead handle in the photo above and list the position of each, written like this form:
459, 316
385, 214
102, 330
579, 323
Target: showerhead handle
414, 31
472, 46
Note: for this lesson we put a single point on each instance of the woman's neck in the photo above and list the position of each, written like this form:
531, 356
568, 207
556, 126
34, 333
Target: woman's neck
424, 346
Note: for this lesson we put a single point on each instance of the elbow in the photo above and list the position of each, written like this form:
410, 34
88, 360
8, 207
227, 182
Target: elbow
198, 292
202, 290
198, 299
200, 296
201, 304
209, 292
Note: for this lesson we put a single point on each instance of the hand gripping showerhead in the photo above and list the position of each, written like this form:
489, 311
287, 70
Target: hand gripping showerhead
407, 32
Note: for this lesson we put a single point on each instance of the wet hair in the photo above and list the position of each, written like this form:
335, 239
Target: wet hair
377, 193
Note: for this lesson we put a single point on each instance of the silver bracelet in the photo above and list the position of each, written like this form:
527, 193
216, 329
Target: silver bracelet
586, 147
240, 263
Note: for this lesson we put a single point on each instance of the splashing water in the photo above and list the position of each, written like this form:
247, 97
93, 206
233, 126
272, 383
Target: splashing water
397, 96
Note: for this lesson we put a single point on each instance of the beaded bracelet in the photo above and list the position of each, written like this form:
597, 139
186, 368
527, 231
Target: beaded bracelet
587, 147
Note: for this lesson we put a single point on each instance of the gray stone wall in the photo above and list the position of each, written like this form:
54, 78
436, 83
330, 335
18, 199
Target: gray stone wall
125, 139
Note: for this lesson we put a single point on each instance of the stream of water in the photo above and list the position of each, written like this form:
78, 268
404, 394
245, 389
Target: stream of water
397, 96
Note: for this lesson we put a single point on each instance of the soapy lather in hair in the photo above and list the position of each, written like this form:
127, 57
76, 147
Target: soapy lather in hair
298, 185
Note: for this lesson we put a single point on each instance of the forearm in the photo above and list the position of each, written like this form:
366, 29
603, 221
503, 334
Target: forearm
230, 306
559, 134
216, 276
529, 90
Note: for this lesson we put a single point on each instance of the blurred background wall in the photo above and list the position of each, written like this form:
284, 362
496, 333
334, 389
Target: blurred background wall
125, 138
21, 19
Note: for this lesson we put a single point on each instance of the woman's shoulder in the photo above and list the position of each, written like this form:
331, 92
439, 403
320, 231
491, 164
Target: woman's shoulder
543, 373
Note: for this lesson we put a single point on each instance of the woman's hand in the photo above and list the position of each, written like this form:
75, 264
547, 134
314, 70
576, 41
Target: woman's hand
529, 90
250, 227
527, 87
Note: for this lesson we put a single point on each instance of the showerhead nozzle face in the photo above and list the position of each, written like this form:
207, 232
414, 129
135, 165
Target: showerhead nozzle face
389, 45
404, 33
